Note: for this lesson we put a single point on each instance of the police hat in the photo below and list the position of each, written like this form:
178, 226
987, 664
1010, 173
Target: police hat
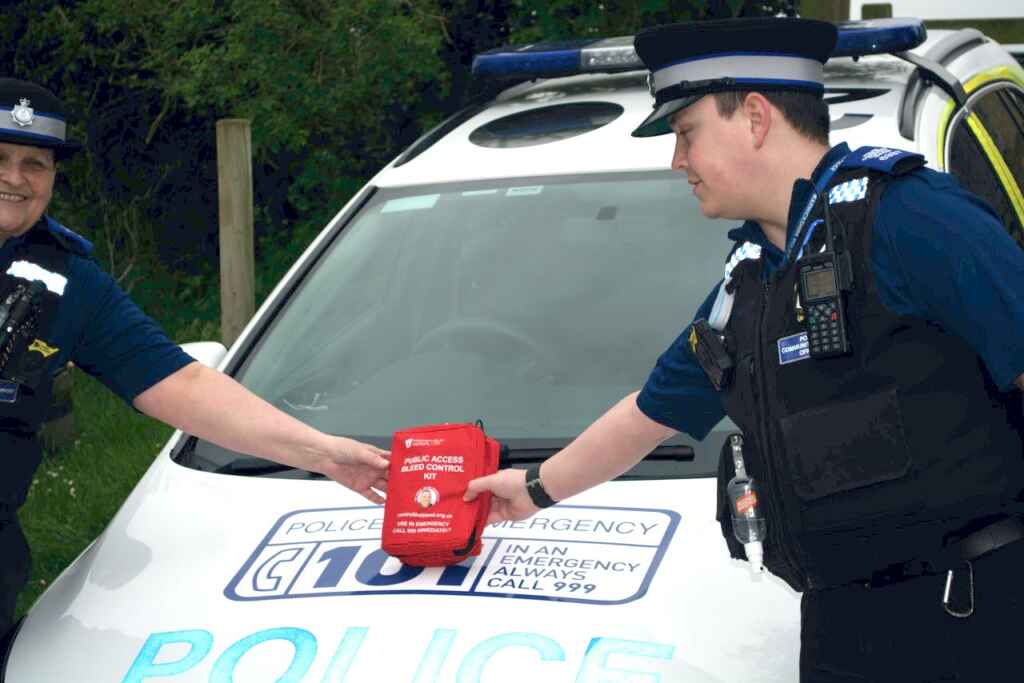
688, 61
32, 115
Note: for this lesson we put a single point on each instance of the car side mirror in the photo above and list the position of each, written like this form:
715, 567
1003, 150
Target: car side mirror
208, 353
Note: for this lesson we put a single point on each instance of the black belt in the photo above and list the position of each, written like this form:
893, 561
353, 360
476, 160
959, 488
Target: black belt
967, 549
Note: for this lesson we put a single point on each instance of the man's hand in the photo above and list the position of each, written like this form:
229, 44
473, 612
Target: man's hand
510, 501
359, 466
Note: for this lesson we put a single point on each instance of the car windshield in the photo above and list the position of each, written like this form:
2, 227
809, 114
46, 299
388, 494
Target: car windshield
532, 305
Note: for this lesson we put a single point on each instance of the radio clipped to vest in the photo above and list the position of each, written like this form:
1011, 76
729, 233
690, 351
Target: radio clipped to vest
822, 280
709, 348
19, 313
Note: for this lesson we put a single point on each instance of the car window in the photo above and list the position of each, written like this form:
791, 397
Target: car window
1002, 112
972, 168
532, 305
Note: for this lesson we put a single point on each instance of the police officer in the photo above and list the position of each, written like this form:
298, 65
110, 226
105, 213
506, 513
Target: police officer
872, 314
57, 305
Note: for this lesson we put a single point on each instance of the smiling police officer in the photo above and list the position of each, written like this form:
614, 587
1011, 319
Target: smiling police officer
57, 305
872, 318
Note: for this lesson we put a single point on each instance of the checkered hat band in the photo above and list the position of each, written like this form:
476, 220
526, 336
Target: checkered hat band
750, 68
43, 127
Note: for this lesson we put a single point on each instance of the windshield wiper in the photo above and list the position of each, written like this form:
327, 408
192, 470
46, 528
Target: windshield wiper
526, 452
255, 467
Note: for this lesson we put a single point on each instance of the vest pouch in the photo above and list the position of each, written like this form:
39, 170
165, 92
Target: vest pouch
846, 458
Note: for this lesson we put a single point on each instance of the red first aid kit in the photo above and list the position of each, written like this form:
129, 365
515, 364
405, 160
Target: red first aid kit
426, 522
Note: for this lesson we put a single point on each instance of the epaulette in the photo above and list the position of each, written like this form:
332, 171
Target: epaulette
884, 159
69, 239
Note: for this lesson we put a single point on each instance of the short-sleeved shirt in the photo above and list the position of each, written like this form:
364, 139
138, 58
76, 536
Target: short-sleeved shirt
100, 329
938, 252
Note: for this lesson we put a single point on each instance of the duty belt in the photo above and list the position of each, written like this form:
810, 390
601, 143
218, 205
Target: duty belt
955, 561
967, 549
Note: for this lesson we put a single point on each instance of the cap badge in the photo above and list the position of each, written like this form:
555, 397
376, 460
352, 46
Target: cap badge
23, 114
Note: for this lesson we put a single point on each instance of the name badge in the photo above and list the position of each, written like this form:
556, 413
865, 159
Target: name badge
8, 392
794, 348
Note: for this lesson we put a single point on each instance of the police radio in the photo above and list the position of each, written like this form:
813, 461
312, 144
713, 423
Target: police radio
16, 317
822, 280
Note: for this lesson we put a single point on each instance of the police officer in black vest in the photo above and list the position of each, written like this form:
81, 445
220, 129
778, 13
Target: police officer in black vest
871, 312
57, 305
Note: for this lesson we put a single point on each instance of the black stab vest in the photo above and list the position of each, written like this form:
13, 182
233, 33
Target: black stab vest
871, 459
31, 370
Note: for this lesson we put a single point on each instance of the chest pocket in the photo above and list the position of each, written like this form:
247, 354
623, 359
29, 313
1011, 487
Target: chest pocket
848, 445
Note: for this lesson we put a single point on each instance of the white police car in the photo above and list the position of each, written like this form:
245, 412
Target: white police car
524, 264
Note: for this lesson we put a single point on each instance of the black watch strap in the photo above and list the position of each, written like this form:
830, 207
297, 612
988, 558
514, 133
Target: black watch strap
536, 490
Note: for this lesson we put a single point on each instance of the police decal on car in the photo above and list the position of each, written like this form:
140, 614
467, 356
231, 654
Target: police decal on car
597, 555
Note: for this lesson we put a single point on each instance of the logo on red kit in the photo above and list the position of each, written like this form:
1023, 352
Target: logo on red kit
409, 443
427, 497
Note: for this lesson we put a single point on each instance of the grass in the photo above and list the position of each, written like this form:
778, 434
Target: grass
76, 491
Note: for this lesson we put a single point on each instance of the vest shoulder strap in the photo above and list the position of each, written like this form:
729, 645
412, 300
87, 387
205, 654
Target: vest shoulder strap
885, 159
67, 239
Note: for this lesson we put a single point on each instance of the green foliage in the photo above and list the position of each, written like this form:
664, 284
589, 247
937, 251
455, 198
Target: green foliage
536, 20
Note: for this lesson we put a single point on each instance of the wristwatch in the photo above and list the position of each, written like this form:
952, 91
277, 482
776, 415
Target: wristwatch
535, 488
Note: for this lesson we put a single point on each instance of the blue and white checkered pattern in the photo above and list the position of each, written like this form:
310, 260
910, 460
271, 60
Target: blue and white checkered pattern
747, 250
850, 191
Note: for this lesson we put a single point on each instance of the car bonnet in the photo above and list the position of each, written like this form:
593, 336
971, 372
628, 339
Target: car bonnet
206, 577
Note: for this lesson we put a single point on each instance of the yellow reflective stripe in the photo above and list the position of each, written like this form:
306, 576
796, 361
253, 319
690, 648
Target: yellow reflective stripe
999, 164
999, 73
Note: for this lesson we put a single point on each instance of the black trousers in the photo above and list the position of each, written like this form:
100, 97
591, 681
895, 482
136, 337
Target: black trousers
901, 633
14, 568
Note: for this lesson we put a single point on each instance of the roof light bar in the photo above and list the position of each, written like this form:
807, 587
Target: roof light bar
878, 36
550, 60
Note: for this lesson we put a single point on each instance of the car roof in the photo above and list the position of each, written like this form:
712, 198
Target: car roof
610, 148
865, 96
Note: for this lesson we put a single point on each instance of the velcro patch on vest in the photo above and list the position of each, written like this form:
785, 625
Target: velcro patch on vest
850, 191
794, 348
26, 270
885, 159
8, 392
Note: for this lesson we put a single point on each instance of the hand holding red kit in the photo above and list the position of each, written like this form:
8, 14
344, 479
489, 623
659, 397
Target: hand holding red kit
426, 520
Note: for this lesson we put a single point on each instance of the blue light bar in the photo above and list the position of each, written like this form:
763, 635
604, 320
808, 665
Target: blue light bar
550, 60
878, 36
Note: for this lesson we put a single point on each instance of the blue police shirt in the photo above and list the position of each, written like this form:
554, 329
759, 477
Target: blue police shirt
938, 252
103, 332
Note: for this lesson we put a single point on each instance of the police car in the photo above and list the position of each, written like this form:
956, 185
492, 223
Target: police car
524, 264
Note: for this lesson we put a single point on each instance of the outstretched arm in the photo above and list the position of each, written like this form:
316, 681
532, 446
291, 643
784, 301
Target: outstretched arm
214, 407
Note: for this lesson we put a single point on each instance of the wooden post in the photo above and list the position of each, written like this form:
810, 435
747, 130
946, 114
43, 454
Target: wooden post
826, 10
237, 255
